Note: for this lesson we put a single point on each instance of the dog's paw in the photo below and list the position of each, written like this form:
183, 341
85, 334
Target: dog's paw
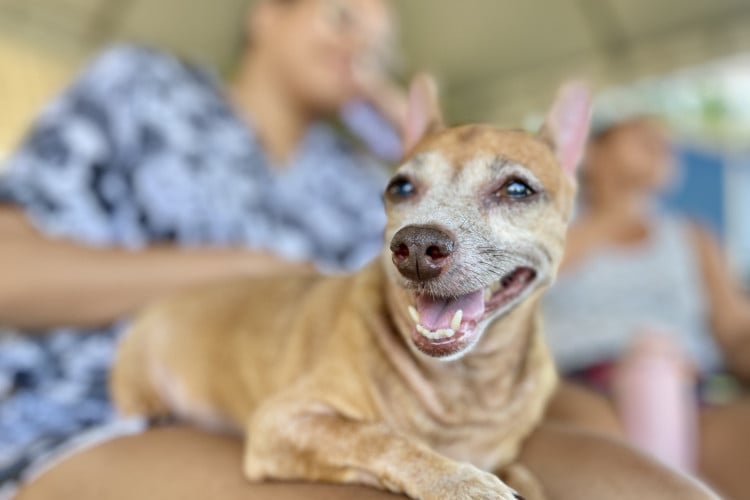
471, 483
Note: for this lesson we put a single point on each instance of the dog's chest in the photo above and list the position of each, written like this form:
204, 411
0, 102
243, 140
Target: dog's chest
483, 429
488, 445
481, 418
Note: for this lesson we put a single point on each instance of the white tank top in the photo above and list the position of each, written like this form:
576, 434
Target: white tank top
594, 310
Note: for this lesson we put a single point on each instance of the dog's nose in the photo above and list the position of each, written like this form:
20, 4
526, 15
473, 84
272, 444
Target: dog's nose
421, 253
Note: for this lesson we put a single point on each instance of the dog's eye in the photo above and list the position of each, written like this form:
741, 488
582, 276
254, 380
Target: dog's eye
515, 189
400, 187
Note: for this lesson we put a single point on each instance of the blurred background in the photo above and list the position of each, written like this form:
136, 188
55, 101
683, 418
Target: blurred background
497, 61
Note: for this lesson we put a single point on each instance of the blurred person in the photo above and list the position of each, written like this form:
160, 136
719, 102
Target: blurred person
644, 310
147, 175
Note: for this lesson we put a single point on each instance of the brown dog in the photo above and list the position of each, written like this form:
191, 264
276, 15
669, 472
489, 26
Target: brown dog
419, 374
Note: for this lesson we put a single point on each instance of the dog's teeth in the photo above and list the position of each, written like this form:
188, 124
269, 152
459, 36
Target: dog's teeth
437, 334
424, 331
445, 333
456, 321
487, 294
414, 314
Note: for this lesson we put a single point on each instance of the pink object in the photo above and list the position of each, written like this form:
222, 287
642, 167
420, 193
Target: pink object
654, 393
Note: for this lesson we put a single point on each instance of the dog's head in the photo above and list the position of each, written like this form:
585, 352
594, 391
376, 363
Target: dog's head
477, 217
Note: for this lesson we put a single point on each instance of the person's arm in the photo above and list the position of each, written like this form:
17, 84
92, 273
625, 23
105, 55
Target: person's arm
730, 309
47, 283
74, 177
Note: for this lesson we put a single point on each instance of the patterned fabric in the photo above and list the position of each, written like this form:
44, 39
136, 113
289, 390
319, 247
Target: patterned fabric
594, 310
144, 148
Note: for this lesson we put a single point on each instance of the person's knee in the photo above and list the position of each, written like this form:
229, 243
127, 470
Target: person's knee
574, 463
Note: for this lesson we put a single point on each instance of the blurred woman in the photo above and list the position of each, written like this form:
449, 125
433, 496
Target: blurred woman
148, 175
644, 310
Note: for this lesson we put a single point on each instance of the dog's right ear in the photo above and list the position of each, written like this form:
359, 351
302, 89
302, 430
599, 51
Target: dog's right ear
566, 128
423, 115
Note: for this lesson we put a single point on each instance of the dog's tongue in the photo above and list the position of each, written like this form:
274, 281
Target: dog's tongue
437, 312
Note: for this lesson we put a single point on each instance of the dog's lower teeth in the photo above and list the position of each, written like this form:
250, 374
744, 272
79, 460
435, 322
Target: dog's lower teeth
445, 333
441, 333
414, 314
456, 321
487, 294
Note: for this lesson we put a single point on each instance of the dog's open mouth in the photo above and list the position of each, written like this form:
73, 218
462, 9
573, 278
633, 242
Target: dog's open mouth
447, 325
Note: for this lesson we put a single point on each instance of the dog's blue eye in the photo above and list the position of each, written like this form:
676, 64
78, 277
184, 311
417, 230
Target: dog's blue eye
400, 187
516, 189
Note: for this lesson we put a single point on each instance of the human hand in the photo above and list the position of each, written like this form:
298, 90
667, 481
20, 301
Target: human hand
384, 93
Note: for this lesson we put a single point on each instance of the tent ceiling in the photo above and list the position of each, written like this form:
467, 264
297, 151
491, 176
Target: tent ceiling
495, 58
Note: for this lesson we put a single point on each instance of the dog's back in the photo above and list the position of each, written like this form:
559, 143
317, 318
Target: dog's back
223, 346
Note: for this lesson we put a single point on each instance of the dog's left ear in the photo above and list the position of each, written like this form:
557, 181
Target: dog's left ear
567, 125
423, 115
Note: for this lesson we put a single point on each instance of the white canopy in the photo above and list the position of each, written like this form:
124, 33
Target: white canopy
495, 58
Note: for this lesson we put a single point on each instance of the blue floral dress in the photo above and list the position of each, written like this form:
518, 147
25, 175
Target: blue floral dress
143, 148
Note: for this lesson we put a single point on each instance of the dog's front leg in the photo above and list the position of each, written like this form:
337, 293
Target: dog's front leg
323, 446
